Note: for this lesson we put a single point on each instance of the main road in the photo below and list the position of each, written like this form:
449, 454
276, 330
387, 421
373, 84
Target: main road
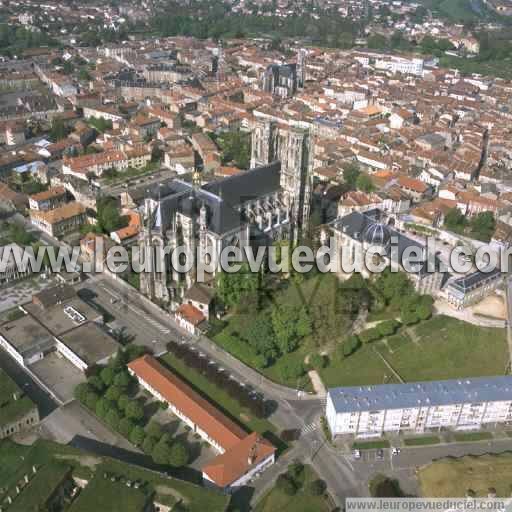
155, 328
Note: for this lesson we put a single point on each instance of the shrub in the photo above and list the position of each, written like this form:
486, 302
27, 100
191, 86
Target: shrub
317, 361
113, 393
137, 435
148, 445
295, 472
178, 456
369, 335
292, 370
126, 426
286, 485
290, 435
317, 487
387, 328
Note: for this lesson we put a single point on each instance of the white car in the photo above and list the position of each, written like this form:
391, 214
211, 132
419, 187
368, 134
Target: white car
356, 454
395, 451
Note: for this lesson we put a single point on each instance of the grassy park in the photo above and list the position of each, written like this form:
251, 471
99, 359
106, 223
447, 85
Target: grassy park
54, 461
302, 501
439, 348
217, 396
454, 477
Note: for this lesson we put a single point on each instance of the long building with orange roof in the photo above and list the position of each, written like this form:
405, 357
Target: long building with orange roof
241, 455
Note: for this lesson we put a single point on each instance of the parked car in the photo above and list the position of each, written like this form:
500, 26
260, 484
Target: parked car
380, 454
356, 454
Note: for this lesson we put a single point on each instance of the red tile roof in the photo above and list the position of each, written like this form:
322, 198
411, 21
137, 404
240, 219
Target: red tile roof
242, 451
202, 413
236, 462
191, 314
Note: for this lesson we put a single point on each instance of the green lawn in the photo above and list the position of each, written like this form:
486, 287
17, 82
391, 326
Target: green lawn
101, 493
11, 409
422, 441
447, 348
453, 477
468, 437
371, 445
303, 501
444, 348
362, 367
273, 372
459, 10
218, 396
40, 488
16, 460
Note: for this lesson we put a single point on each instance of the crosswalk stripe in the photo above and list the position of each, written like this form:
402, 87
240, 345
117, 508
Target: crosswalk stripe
311, 427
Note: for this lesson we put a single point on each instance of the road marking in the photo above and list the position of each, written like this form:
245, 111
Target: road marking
307, 429
137, 311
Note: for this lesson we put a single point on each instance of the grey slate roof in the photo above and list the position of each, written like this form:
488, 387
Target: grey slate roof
476, 279
415, 394
357, 225
221, 198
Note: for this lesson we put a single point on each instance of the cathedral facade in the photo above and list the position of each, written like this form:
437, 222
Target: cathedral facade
269, 202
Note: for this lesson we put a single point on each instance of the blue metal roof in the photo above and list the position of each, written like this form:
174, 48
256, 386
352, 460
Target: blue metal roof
416, 394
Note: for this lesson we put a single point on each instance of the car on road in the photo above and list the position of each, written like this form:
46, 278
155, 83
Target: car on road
380, 454
356, 454
395, 451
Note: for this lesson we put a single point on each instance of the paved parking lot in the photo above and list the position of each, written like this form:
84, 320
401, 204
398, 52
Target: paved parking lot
59, 375
405, 465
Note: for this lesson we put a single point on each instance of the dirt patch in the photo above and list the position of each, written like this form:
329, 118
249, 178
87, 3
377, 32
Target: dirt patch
492, 306
169, 491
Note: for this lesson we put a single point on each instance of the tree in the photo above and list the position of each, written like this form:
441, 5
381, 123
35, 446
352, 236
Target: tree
291, 370
133, 352
154, 429
134, 410
236, 148
351, 344
291, 323
113, 393
84, 75
97, 383
454, 220
103, 406
395, 287
232, 286
58, 130
107, 376
122, 402
295, 471
148, 445
161, 453
126, 425
80, 392
113, 418
317, 487
91, 399
259, 334
387, 328
109, 218
377, 42
351, 172
178, 456
137, 435
364, 183
286, 485
482, 226
122, 380
317, 361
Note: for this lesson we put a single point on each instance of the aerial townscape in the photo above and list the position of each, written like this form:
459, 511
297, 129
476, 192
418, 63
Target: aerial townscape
254, 254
